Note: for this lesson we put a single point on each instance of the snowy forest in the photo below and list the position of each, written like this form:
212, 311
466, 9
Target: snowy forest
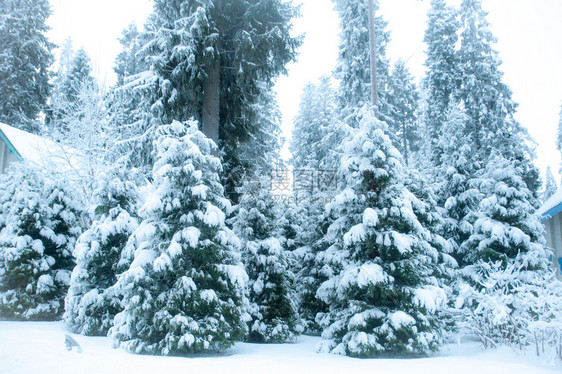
404, 219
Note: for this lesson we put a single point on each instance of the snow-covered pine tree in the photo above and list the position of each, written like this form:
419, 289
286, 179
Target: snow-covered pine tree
508, 260
353, 69
317, 114
73, 82
64, 62
39, 224
458, 188
259, 155
443, 75
487, 99
79, 74
24, 62
383, 293
550, 185
316, 130
272, 303
183, 292
133, 115
212, 61
127, 62
92, 301
507, 225
403, 98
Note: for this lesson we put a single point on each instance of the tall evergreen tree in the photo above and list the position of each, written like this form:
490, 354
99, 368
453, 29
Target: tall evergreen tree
79, 75
71, 82
487, 99
315, 161
443, 76
403, 98
212, 61
128, 62
64, 63
353, 69
24, 62
130, 112
183, 292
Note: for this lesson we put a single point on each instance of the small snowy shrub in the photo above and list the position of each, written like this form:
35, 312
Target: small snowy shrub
92, 300
39, 224
183, 290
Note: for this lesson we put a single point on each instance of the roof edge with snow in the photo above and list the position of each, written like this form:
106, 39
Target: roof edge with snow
551, 207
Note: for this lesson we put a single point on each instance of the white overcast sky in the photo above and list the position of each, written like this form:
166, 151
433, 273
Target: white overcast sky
529, 34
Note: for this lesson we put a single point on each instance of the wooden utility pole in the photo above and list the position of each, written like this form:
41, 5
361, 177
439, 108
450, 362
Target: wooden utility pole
373, 48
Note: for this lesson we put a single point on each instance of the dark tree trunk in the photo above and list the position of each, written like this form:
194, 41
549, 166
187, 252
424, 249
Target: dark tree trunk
211, 103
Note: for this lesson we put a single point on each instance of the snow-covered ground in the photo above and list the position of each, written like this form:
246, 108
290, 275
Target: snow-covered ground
38, 347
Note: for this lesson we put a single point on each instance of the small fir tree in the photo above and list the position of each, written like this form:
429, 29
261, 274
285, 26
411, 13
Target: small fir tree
550, 186
39, 224
509, 266
272, 303
383, 294
92, 301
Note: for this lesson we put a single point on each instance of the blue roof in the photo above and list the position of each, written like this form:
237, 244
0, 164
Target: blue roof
551, 212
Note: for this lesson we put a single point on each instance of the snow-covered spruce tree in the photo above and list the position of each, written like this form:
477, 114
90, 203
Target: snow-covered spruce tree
79, 74
313, 123
183, 292
127, 62
316, 130
383, 294
272, 303
64, 62
212, 60
506, 225
509, 263
403, 98
24, 62
92, 301
458, 187
550, 185
443, 75
260, 154
73, 82
487, 99
39, 224
353, 69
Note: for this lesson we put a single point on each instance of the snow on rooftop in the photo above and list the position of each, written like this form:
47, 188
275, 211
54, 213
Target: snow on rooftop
41, 151
552, 202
